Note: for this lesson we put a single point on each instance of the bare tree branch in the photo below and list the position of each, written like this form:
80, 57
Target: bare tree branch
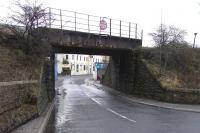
168, 35
30, 15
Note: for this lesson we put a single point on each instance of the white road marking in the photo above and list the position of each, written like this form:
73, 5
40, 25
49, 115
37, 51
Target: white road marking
122, 116
112, 111
96, 101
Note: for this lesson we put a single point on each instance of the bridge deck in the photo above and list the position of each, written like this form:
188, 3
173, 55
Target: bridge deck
66, 41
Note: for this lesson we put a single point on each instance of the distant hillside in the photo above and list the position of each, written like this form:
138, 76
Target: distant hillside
180, 66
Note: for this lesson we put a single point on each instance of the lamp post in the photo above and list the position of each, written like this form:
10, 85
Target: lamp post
195, 34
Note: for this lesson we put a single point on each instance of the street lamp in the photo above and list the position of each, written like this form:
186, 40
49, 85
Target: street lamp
195, 34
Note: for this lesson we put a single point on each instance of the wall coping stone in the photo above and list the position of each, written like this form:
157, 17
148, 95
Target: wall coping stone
18, 82
183, 90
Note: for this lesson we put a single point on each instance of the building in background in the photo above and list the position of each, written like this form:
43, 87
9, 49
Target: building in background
78, 64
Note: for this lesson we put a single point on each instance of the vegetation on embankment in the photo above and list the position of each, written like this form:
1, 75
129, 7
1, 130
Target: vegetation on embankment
15, 65
21, 48
21, 102
22, 53
174, 67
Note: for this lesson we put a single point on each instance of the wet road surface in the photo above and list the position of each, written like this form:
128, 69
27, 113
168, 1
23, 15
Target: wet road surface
82, 108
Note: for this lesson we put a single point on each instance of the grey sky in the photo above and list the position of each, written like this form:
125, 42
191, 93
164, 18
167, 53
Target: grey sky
184, 14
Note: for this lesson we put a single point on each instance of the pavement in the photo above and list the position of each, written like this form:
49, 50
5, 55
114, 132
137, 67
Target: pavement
88, 107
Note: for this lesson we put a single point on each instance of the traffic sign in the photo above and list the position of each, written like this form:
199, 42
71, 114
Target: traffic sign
99, 65
102, 24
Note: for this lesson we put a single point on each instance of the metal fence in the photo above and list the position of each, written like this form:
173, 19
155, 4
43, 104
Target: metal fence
74, 21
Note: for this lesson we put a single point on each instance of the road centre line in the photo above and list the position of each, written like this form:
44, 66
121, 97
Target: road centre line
112, 111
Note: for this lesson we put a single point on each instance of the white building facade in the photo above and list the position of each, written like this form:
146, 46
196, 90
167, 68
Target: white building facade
77, 64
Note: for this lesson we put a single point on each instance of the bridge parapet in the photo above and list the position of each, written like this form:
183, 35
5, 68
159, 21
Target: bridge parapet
74, 21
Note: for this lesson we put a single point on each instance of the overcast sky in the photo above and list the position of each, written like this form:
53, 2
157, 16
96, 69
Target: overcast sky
184, 14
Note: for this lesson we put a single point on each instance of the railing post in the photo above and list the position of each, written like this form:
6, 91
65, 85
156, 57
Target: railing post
129, 30
120, 28
135, 31
49, 17
142, 35
61, 26
37, 23
45, 21
110, 27
89, 23
75, 20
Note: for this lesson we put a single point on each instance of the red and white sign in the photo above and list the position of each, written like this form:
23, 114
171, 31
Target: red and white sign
102, 24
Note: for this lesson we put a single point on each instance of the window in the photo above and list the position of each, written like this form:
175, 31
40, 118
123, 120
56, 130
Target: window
77, 57
80, 58
84, 68
93, 68
66, 56
72, 57
77, 67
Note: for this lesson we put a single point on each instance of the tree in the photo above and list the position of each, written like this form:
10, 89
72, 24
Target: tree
29, 15
168, 35
165, 38
24, 19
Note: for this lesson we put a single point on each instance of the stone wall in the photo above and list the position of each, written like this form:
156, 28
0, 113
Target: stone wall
190, 96
14, 94
146, 84
17, 103
106, 78
21, 101
129, 74
47, 91
13, 118
120, 72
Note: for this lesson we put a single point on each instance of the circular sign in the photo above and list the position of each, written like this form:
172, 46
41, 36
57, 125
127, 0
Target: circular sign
102, 24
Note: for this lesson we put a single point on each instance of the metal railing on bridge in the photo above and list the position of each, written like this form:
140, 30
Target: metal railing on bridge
74, 21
